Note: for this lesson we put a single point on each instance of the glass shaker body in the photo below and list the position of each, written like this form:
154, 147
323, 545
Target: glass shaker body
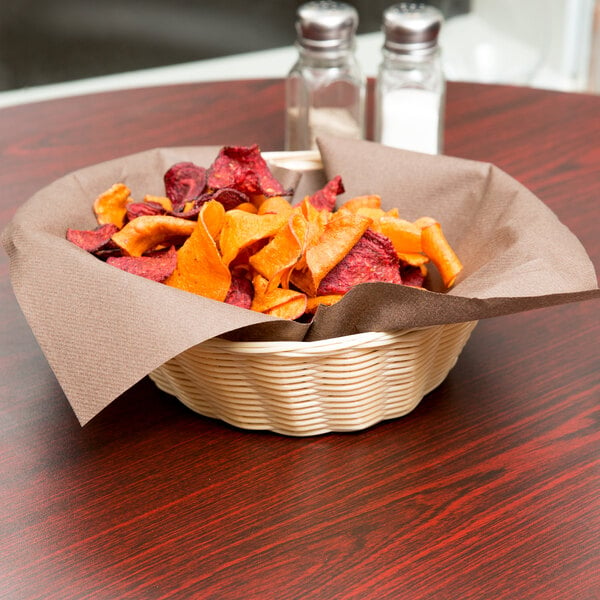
410, 102
325, 95
325, 90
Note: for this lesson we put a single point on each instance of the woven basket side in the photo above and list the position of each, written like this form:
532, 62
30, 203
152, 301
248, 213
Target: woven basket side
310, 389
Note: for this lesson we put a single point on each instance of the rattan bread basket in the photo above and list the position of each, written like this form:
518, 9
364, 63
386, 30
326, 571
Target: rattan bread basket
308, 388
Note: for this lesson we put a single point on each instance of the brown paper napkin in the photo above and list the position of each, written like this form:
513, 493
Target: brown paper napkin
102, 329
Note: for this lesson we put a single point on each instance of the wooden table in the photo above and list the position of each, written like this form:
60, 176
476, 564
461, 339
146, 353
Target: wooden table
488, 490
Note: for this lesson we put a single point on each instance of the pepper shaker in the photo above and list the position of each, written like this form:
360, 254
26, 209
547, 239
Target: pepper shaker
410, 86
325, 89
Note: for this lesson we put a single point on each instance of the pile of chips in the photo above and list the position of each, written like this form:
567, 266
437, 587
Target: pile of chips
228, 232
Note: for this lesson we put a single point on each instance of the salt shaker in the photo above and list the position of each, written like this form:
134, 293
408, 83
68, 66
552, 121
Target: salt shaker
325, 89
410, 87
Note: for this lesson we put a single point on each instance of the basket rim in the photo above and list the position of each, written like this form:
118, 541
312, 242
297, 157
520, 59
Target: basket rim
374, 338
295, 160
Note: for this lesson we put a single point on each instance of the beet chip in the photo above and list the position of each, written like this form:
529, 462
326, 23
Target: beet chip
244, 169
241, 292
139, 209
372, 258
412, 276
157, 266
184, 182
92, 240
230, 198
325, 198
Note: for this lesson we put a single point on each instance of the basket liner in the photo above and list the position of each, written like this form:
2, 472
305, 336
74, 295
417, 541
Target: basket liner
102, 329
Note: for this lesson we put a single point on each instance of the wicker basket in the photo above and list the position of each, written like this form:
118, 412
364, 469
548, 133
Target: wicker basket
308, 388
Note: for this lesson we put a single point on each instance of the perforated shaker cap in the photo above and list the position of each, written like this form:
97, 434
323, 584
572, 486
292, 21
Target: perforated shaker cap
326, 25
412, 28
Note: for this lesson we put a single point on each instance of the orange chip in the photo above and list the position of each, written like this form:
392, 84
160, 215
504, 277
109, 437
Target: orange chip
149, 231
317, 220
340, 234
413, 259
437, 248
313, 303
162, 200
423, 222
200, 269
372, 213
277, 205
368, 201
404, 235
213, 215
277, 302
111, 206
247, 206
257, 199
241, 229
277, 259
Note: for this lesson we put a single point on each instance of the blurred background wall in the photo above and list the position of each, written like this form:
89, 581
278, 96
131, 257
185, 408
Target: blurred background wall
46, 42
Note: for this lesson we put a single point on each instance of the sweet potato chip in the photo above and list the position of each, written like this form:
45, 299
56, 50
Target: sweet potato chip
340, 234
423, 222
147, 232
368, 201
213, 215
111, 206
241, 229
184, 181
404, 235
317, 221
276, 205
413, 259
94, 239
372, 213
157, 266
248, 207
243, 168
372, 258
200, 269
277, 302
437, 248
277, 259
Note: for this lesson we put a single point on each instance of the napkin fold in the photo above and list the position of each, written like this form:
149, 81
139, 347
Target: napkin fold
102, 329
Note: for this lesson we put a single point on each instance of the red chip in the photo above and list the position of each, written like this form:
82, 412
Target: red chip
92, 240
157, 266
372, 258
230, 198
240, 293
325, 198
411, 276
244, 169
139, 209
184, 181
193, 212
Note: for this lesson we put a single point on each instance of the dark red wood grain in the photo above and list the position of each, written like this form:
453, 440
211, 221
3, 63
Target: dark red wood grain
489, 490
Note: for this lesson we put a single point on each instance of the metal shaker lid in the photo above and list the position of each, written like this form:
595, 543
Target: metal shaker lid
411, 27
326, 25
